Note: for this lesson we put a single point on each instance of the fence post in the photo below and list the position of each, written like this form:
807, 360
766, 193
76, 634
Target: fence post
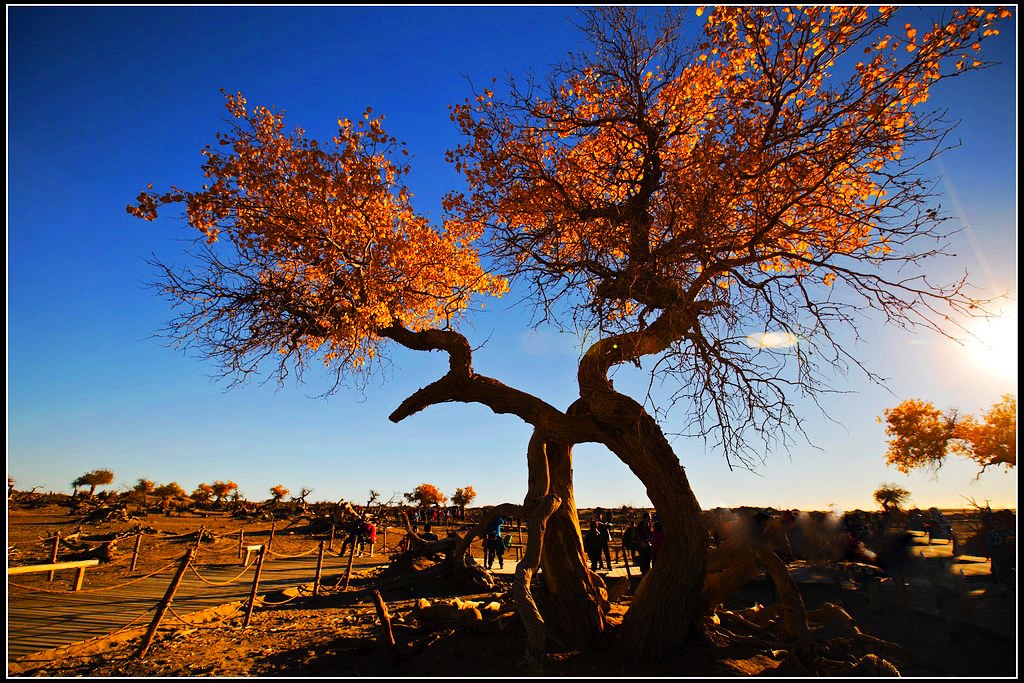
165, 603
319, 569
53, 555
135, 553
79, 578
351, 559
199, 540
330, 544
384, 541
241, 537
270, 542
255, 586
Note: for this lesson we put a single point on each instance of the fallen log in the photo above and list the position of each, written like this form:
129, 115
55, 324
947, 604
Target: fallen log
105, 552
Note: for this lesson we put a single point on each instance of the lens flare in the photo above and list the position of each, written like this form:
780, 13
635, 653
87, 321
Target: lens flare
771, 340
993, 346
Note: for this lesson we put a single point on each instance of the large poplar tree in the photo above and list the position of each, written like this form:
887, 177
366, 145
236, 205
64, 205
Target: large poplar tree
671, 189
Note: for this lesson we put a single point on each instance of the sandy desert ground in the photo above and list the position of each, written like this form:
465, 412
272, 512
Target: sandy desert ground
338, 633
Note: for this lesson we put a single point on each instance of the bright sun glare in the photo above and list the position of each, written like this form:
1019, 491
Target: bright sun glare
995, 349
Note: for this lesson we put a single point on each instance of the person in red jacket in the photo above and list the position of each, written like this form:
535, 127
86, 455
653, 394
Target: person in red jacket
370, 533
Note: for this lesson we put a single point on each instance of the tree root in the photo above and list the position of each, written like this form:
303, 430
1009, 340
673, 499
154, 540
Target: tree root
416, 647
536, 632
458, 569
415, 570
833, 645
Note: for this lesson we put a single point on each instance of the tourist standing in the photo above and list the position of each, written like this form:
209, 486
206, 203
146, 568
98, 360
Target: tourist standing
642, 539
494, 545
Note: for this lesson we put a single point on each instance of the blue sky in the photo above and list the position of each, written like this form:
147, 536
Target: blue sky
104, 100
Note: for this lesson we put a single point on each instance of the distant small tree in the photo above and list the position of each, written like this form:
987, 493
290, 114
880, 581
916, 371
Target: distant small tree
891, 497
203, 493
426, 495
168, 492
305, 491
10, 486
922, 436
278, 492
93, 479
463, 497
143, 488
222, 489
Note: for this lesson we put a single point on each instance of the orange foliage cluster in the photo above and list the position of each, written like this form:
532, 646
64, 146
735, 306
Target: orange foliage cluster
203, 493
921, 436
426, 495
753, 154
993, 440
278, 492
464, 496
331, 224
705, 185
222, 489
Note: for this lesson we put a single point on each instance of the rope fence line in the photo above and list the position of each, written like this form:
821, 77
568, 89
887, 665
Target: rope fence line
217, 541
384, 550
303, 592
163, 605
308, 552
214, 583
92, 590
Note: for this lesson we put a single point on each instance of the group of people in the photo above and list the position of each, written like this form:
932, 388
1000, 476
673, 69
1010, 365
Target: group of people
430, 515
360, 531
643, 537
641, 541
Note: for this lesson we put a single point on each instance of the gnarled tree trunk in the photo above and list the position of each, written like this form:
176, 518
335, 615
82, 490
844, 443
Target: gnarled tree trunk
533, 621
668, 601
573, 607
